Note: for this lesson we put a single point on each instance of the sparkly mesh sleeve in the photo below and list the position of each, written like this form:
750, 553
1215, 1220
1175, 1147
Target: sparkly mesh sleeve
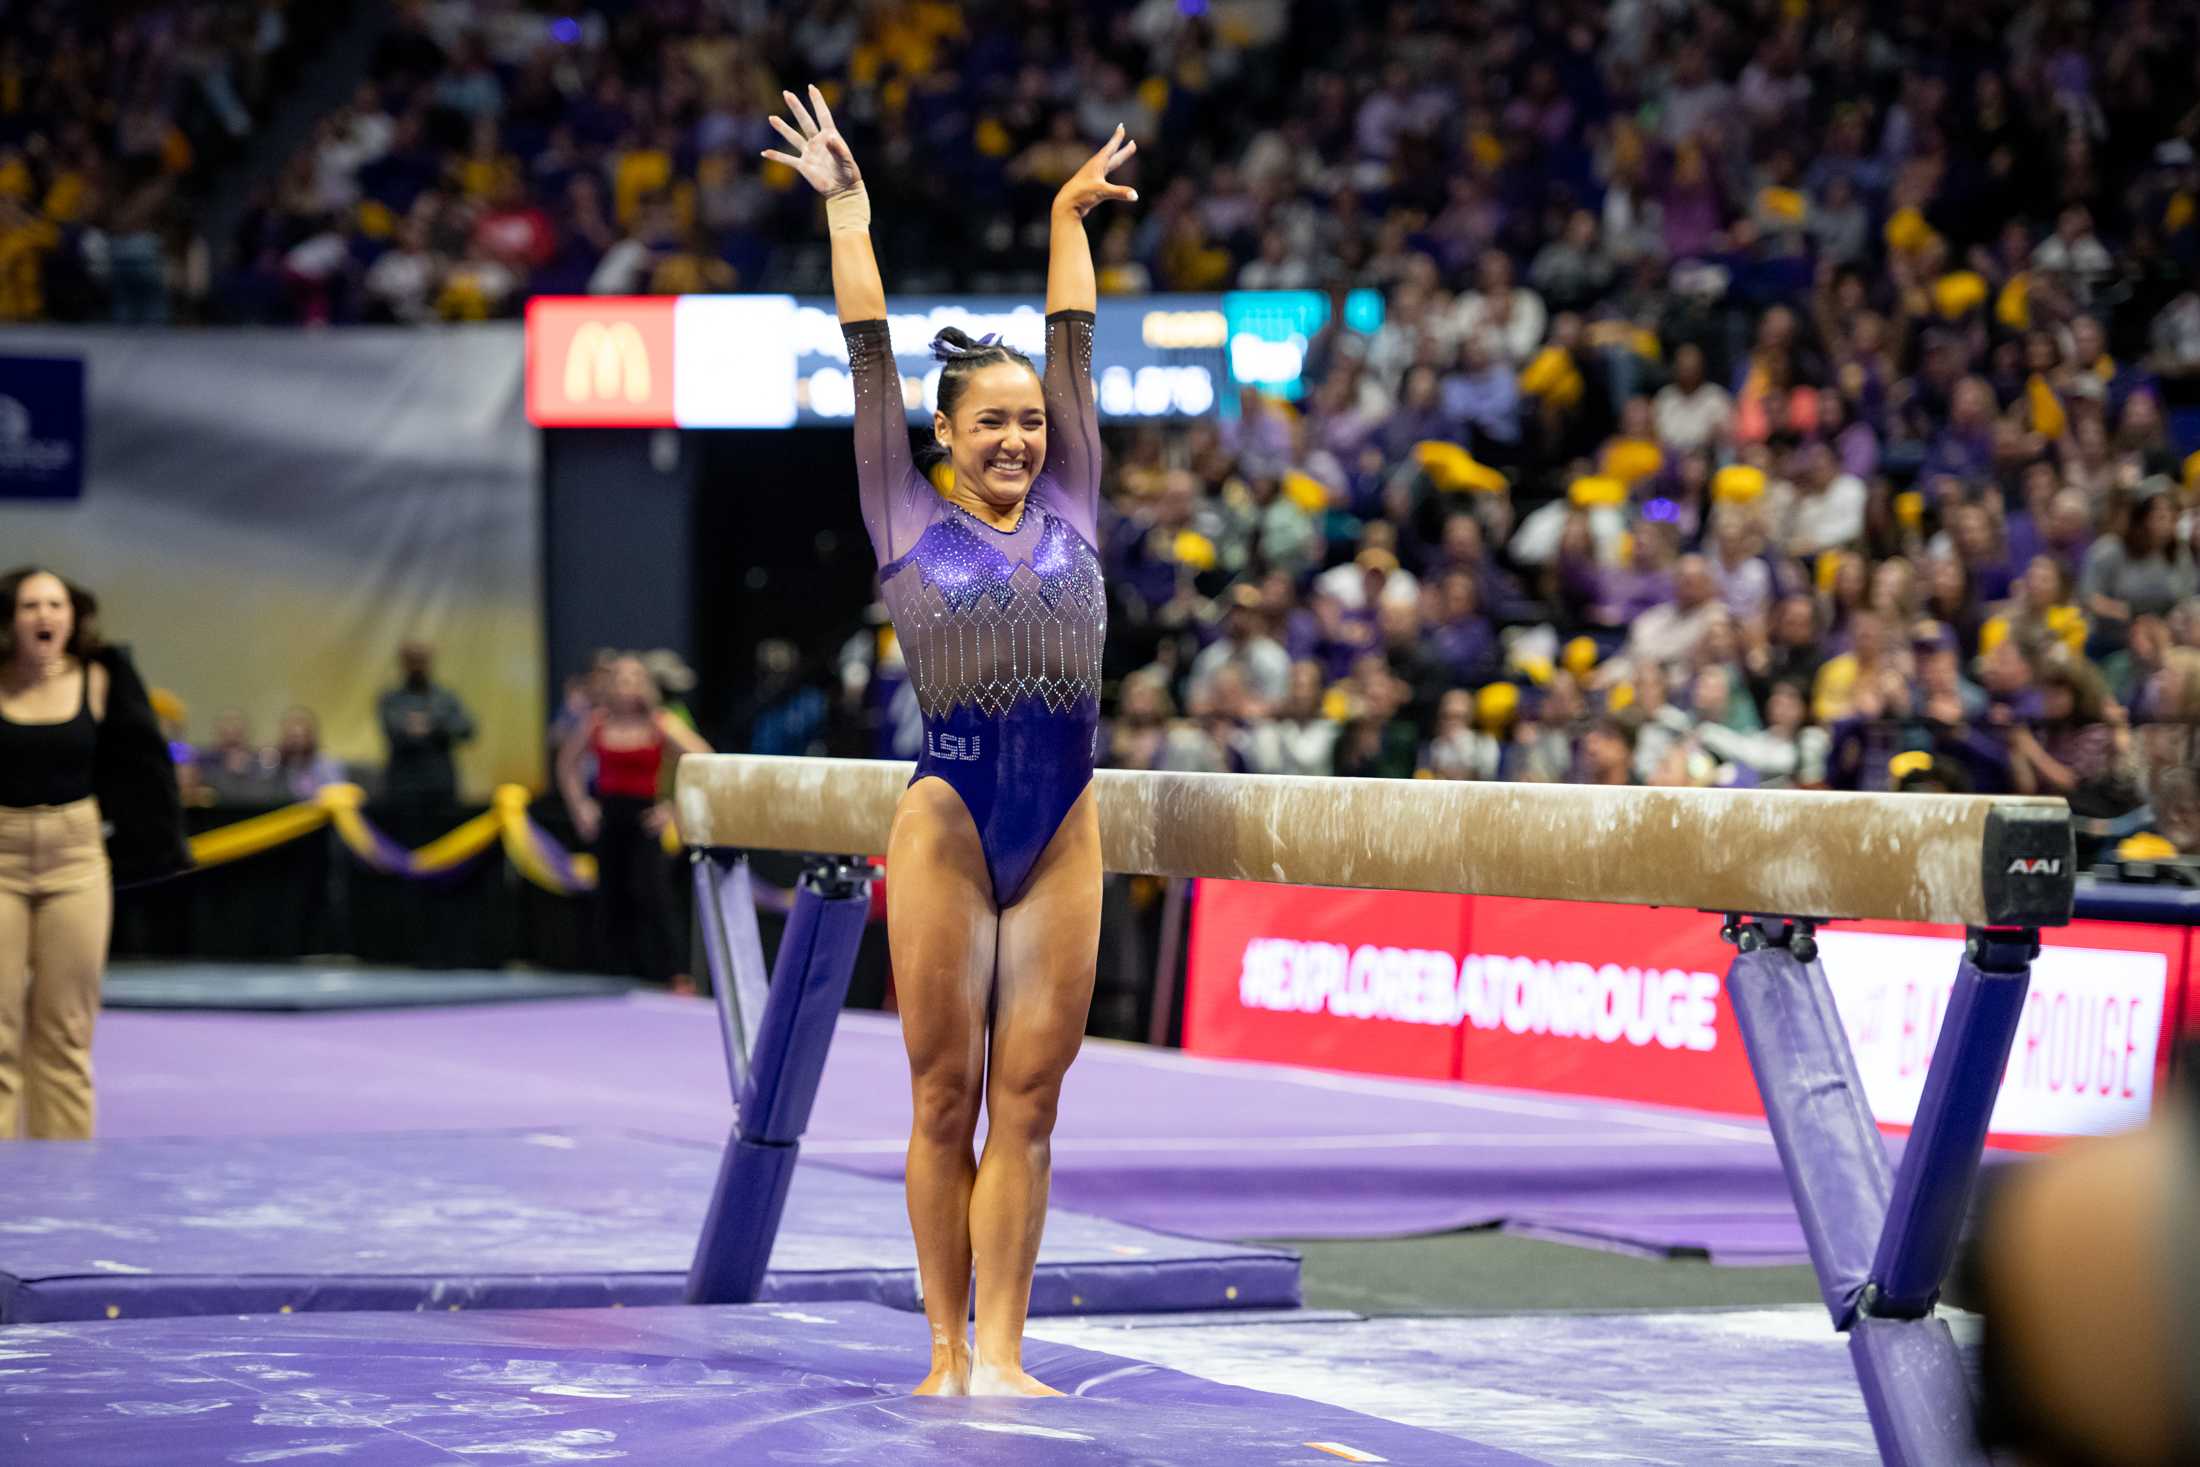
1073, 419
897, 503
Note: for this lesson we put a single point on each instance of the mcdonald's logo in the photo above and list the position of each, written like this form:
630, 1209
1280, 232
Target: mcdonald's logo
600, 361
607, 361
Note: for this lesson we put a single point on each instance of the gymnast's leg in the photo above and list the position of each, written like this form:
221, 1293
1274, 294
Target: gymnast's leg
1049, 942
941, 928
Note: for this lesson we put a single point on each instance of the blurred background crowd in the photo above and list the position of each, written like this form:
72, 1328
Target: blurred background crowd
1764, 393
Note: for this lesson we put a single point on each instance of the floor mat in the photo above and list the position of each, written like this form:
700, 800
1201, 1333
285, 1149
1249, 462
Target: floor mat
501, 1219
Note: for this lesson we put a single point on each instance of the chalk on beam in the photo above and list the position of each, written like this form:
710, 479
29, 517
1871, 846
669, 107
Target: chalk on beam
1972, 860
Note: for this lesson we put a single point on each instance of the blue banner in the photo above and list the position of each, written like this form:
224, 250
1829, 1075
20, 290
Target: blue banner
41, 427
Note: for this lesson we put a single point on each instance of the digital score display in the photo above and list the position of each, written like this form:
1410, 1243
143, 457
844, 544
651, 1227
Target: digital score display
778, 361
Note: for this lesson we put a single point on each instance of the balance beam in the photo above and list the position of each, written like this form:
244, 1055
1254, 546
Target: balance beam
1972, 860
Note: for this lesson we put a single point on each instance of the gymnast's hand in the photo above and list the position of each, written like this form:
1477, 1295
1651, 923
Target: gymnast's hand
1089, 185
823, 158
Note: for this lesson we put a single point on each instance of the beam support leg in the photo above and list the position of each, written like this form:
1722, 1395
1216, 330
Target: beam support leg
1821, 1122
1882, 1240
1939, 1171
733, 951
817, 957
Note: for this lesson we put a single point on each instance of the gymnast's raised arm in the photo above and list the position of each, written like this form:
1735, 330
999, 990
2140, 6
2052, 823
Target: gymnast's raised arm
894, 497
1073, 419
822, 157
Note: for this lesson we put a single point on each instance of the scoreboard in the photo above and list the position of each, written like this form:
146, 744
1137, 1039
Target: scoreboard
778, 361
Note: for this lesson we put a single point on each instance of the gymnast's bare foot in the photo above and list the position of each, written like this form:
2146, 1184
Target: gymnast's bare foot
1008, 1378
950, 1374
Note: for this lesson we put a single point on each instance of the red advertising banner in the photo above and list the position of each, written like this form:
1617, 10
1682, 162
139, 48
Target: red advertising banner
1629, 1003
1588, 999
600, 361
1343, 980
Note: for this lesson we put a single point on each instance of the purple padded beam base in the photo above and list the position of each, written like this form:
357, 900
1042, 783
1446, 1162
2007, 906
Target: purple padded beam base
1814, 1099
823, 1383
1881, 1246
1939, 1171
733, 950
1916, 1392
746, 1206
817, 957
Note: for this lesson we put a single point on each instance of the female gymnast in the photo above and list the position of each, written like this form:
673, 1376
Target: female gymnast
993, 902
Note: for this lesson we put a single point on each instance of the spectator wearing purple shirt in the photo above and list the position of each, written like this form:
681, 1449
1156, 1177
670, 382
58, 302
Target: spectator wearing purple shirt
1986, 560
1464, 641
1419, 416
1738, 563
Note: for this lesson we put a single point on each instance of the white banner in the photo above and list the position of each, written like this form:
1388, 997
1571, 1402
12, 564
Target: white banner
2083, 1061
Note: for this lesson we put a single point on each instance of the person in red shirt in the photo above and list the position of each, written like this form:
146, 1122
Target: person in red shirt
629, 735
514, 232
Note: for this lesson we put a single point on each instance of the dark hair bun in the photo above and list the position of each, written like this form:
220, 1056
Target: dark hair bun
960, 357
953, 342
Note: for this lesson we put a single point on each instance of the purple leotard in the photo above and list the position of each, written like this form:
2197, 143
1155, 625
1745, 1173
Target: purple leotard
1001, 628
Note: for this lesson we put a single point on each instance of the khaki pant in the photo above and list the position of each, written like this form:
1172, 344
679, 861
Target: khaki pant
56, 907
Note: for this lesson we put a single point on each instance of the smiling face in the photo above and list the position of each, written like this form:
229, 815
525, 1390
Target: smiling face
997, 436
44, 619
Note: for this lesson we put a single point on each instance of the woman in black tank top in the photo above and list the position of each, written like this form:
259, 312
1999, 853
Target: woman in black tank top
80, 751
47, 762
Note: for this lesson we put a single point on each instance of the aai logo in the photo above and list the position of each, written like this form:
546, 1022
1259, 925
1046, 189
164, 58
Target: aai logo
2035, 866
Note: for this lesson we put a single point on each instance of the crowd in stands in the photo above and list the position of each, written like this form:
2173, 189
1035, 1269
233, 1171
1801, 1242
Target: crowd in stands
1763, 394
112, 120
1794, 399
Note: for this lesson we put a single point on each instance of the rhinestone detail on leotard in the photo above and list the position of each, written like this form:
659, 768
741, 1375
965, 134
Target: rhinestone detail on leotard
987, 619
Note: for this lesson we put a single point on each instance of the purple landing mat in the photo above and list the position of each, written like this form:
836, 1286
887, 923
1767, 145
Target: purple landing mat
501, 1220
1210, 1148
824, 1383
1701, 1388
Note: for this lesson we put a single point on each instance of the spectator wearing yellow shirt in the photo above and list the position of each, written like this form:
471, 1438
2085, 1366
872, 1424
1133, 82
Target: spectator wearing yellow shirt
16, 181
1632, 455
691, 270
1120, 271
486, 170
1189, 260
639, 171
24, 241
1049, 162
730, 79
1833, 691
2041, 616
